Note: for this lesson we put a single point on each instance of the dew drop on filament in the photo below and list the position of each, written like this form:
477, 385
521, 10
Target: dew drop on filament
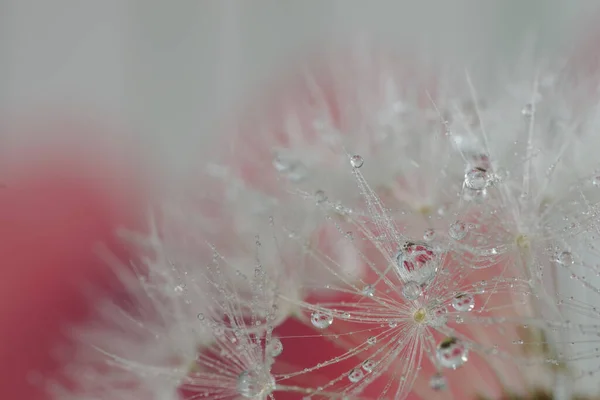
458, 230
368, 290
275, 347
321, 320
255, 384
527, 110
356, 161
417, 262
429, 235
565, 258
412, 290
452, 353
438, 382
356, 375
463, 302
368, 365
476, 178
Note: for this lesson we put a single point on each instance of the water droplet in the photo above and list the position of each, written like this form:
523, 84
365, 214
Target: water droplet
201, 316
368, 290
452, 353
501, 174
275, 347
438, 382
458, 230
321, 319
476, 179
429, 235
392, 324
371, 340
596, 181
356, 375
565, 258
527, 110
412, 290
438, 315
320, 196
368, 365
463, 302
257, 384
417, 262
356, 161
294, 170
179, 288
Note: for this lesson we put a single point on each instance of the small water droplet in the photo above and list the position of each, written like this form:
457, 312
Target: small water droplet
565, 258
368, 365
452, 353
501, 174
476, 179
392, 324
438, 382
371, 340
357, 161
294, 170
320, 196
412, 290
438, 315
200, 316
463, 302
458, 230
429, 235
255, 384
368, 290
356, 375
179, 288
527, 110
275, 347
596, 181
321, 319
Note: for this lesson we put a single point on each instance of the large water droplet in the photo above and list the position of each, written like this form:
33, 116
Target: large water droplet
356, 375
565, 258
368, 365
476, 179
356, 161
438, 382
463, 302
452, 353
417, 262
458, 230
255, 384
275, 347
412, 290
321, 319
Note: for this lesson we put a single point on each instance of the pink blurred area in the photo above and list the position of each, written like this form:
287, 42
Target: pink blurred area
66, 187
